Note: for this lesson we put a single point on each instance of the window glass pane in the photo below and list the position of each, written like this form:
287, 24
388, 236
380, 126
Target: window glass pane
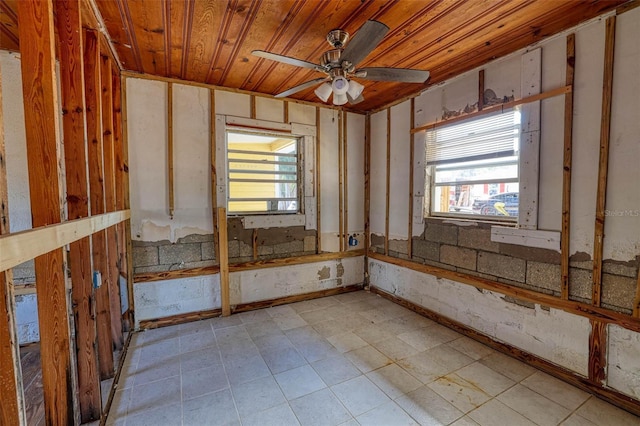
497, 200
496, 169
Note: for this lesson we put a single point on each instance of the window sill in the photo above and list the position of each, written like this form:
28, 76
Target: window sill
526, 237
273, 221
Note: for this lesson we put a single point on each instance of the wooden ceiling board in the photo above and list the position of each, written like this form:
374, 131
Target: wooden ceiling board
210, 41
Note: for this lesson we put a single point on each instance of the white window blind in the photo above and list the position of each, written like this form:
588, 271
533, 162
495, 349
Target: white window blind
492, 136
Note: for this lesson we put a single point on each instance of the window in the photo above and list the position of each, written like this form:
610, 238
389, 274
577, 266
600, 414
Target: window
473, 167
263, 173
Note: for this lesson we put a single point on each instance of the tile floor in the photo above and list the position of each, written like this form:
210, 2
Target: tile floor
350, 359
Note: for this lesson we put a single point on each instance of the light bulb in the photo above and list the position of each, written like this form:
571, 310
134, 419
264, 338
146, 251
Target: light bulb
340, 85
323, 92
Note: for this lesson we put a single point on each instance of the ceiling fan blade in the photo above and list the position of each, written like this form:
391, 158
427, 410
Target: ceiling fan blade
403, 75
365, 40
300, 87
284, 59
356, 100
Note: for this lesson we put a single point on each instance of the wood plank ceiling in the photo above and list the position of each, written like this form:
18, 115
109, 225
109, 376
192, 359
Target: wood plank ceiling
210, 41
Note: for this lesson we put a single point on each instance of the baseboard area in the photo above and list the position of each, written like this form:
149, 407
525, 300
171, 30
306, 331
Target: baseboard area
614, 397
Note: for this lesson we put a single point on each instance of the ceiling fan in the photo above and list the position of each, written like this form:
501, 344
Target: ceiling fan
339, 65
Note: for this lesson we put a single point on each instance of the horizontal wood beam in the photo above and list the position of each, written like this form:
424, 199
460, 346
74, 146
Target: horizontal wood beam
489, 109
247, 266
572, 307
18, 247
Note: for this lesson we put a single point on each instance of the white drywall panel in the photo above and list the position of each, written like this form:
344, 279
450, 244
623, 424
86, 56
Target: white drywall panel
191, 161
231, 103
269, 109
428, 106
355, 173
159, 299
623, 195
148, 177
503, 77
554, 59
378, 173
551, 157
15, 142
587, 105
623, 361
264, 284
554, 335
27, 319
302, 113
329, 185
399, 171
459, 93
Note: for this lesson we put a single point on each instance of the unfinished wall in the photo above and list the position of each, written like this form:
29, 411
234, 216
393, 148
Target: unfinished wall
467, 246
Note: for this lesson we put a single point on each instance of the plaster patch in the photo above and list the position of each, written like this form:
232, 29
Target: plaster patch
324, 273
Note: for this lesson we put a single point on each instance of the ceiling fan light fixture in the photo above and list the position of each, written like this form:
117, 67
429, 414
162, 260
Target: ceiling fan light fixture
339, 98
323, 92
355, 89
340, 86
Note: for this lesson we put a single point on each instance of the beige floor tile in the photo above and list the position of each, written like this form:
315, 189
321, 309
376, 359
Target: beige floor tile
299, 382
282, 359
120, 404
346, 342
335, 370
426, 338
389, 414
394, 381
316, 316
155, 394
495, 413
461, 394
257, 395
168, 415
395, 348
576, 420
377, 315
199, 359
197, 340
281, 311
320, 408
329, 328
280, 415
202, 326
448, 357
533, 406
359, 395
428, 408
507, 366
465, 421
556, 390
400, 325
219, 406
246, 369
224, 322
263, 328
471, 348
372, 333
490, 381
367, 359
603, 413
254, 316
289, 322
200, 382
422, 367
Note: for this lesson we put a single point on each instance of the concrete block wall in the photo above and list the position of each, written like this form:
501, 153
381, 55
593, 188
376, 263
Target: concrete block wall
192, 251
468, 249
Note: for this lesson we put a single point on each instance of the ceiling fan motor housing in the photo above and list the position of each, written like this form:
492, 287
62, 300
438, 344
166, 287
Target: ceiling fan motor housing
337, 38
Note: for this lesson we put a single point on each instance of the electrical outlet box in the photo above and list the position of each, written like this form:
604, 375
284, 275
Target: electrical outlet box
97, 279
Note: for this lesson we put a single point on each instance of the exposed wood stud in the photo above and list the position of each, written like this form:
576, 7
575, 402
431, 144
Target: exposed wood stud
603, 164
636, 301
224, 261
110, 201
127, 202
388, 183
12, 407
577, 308
598, 352
412, 155
37, 50
480, 91
252, 99
494, 108
318, 178
345, 141
96, 195
340, 180
254, 243
285, 112
170, 146
367, 193
73, 123
214, 174
566, 168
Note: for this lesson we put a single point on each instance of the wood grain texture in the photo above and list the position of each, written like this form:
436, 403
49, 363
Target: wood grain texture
412, 155
340, 180
170, 148
636, 301
367, 192
480, 91
603, 163
318, 179
214, 173
345, 185
12, 407
113, 268
598, 352
39, 87
127, 201
223, 259
388, 185
623, 401
567, 150
254, 243
576, 308
69, 26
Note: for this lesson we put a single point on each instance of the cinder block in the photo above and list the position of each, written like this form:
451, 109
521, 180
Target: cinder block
544, 275
399, 246
439, 233
477, 238
626, 269
458, 256
233, 248
580, 284
310, 243
289, 247
376, 240
265, 250
178, 253
426, 249
196, 238
502, 266
531, 253
246, 250
618, 292
207, 251
150, 269
145, 256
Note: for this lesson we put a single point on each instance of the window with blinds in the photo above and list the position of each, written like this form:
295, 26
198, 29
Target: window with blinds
263, 173
474, 167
